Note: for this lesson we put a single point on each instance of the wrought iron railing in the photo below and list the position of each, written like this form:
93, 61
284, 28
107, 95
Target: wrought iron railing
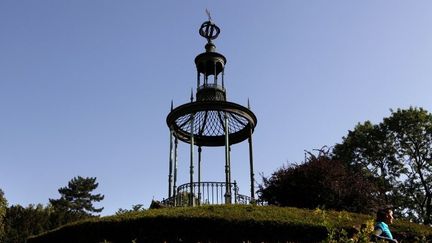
206, 193
211, 85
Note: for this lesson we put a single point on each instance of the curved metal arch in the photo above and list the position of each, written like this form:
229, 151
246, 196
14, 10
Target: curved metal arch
208, 129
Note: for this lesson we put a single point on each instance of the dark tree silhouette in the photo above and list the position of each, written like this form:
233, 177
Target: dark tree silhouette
398, 152
3, 208
22, 222
77, 198
319, 182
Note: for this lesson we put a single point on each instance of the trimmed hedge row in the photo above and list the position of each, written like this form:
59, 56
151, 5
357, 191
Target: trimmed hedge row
212, 224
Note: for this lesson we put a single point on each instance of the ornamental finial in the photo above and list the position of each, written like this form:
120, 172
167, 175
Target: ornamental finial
209, 29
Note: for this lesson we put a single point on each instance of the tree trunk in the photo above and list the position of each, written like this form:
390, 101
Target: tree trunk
427, 216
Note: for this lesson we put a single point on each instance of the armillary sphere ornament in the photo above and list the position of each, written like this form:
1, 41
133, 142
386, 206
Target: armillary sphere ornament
209, 30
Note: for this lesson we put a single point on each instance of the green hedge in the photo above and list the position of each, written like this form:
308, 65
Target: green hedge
219, 224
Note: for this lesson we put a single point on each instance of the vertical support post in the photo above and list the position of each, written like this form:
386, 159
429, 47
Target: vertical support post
191, 172
170, 175
235, 192
198, 79
175, 171
251, 167
199, 175
215, 73
227, 162
223, 74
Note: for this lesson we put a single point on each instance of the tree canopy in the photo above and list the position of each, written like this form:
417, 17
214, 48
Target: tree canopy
320, 181
75, 203
3, 208
22, 222
77, 197
397, 151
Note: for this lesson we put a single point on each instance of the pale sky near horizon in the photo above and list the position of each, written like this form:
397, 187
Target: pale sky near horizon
85, 86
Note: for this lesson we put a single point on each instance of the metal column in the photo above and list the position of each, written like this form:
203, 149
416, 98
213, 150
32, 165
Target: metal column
175, 171
251, 168
170, 175
191, 172
199, 175
227, 162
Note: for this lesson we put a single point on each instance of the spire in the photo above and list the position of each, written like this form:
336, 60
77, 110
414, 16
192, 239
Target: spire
210, 65
172, 105
248, 104
191, 97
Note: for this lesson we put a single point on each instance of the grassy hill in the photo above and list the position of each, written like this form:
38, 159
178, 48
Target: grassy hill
231, 223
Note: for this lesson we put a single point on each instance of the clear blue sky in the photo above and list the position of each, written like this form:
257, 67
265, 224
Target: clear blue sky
85, 86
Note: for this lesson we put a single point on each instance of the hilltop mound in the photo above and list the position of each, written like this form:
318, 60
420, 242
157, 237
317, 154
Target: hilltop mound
233, 223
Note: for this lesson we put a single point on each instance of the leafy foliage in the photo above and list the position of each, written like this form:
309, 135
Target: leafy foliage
77, 198
398, 152
22, 222
3, 208
135, 208
368, 148
319, 182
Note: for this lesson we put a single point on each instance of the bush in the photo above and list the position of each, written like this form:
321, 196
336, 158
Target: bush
319, 182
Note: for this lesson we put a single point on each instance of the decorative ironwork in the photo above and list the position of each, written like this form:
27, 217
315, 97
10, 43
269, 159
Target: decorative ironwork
209, 30
209, 128
208, 121
212, 193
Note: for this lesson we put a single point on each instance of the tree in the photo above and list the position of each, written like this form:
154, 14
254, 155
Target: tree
398, 151
319, 182
20, 222
368, 147
3, 208
77, 198
135, 208
75, 203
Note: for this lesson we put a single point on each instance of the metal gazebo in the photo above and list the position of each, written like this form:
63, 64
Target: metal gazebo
209, 121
